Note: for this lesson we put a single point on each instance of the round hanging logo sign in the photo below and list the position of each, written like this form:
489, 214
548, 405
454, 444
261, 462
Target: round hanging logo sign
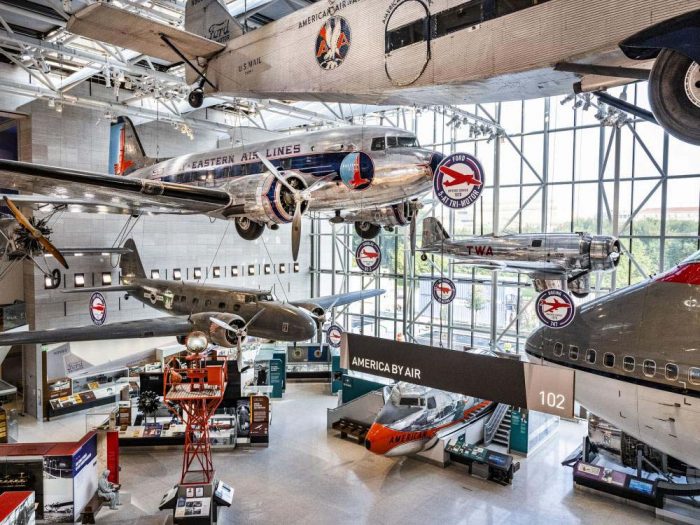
368, 256
333, 43
555, 308
357, 171
458, 181
333, 335
444, 291
98, 308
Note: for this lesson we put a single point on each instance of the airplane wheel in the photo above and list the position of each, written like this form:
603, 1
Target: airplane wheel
248, 229
674, 95
196, 98
367, 230
424, 257
579, 295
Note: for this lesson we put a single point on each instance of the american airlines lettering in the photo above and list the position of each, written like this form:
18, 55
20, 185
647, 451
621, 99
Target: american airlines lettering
387, 368
329, 11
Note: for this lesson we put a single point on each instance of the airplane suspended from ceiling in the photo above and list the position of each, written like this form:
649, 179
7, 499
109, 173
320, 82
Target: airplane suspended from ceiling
370, 176
442, 52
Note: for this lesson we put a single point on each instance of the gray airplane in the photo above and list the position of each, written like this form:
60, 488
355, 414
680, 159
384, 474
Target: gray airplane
552, 260
636, 356
438, 52
225, 314
371, 175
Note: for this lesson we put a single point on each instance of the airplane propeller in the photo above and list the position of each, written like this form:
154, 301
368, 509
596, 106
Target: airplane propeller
301, 196
37, 231
240, 333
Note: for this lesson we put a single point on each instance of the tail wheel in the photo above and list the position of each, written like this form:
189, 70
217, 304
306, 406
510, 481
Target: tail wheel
196, 98
674, 95
367, 230
248, 229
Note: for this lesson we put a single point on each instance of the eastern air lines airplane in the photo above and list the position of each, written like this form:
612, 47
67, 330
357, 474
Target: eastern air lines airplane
439, 52
369, 176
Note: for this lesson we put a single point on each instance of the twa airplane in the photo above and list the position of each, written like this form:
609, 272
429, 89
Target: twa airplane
552, 260
413, 415
636, 358
370, 176
440, 52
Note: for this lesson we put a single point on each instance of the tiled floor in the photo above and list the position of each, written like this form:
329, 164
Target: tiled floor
310, 476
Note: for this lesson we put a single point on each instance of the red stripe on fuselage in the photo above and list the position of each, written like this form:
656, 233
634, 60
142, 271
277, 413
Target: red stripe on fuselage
688, 273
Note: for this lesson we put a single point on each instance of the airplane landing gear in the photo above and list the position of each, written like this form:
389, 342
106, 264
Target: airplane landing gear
423, 257
248, 229
196, 98
367, 230
674, 95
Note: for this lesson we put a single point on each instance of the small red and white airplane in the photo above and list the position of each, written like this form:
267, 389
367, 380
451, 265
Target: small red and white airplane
458, 178
556, 305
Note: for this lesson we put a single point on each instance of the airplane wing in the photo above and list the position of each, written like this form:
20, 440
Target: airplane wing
338, 299
138, 195
106, 23
94, 251
158, 327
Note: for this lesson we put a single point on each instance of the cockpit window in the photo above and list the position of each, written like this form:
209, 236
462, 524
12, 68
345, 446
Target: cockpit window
393, 141
378, 144
265, 297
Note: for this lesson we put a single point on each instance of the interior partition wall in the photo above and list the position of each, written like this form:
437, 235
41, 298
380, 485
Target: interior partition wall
559, 165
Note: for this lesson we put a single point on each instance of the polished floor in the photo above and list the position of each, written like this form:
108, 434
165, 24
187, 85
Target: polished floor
310, 476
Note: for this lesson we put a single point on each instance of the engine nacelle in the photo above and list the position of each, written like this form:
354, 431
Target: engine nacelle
266, 200
603, 251
317, 311
216, 334
395, 215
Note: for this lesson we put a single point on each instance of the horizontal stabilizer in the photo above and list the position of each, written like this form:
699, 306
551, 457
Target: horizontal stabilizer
105, 23
77, 252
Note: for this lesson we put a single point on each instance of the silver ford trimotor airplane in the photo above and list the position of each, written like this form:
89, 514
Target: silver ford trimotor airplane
636, 357
440, 52
226, 315
366, 175
550, 259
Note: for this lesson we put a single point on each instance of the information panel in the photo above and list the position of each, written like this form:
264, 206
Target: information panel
525, 385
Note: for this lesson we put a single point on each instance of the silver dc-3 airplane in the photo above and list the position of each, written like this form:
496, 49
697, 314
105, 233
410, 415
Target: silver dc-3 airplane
226, 315
635, 356
440, 52
369, 176
552, 260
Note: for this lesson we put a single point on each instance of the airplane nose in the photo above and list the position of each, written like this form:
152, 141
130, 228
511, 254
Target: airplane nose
368, 444
435, 161
535, 343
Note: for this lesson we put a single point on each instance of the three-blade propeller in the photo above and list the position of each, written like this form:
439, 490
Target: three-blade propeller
239, 332
301, 197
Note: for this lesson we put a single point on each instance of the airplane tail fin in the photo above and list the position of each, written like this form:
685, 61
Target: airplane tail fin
210, 19
126, 154
130, 263
433, 232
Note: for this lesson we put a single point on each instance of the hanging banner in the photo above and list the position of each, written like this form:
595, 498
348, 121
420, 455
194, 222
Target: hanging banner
555, 308
368, 256
444, 290
459, 181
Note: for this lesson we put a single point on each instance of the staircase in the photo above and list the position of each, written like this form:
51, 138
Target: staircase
502, 436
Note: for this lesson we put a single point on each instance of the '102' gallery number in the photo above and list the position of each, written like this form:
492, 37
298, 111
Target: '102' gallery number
552, 400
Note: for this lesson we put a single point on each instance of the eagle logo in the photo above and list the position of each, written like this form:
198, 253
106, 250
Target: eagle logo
333, 43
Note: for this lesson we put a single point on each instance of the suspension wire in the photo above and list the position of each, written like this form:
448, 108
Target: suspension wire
284, 292
211, 265
125, 231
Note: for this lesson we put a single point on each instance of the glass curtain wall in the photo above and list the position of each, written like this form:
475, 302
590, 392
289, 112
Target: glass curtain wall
562, 166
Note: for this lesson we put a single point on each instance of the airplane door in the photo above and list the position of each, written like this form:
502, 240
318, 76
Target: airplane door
407, 42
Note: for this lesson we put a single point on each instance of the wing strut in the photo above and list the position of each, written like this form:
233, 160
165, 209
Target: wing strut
201, 74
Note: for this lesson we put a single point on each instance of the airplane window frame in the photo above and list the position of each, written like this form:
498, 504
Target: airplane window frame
644, 367
605, 360
574, 350
625, 361
222, 305
591, 352
378, 144
431, 404
560, 347
676, 375
694, 370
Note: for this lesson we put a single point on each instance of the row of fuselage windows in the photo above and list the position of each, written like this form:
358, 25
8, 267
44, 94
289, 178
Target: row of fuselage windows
649, 368
462, 16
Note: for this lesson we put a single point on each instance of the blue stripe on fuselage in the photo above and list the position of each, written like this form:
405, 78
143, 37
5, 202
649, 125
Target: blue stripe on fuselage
318, 165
